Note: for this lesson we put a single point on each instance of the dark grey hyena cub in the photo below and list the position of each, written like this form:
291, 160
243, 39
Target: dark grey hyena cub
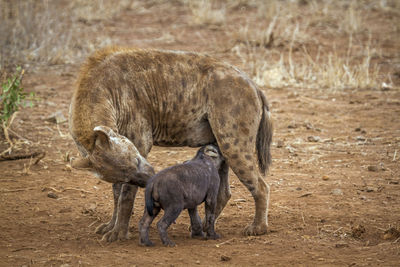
183, 186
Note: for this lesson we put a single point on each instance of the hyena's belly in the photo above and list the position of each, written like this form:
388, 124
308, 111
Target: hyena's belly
193, 132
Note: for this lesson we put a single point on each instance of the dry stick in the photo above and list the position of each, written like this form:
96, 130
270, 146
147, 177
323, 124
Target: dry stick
17, 190
394, 156
39, 156
225, 242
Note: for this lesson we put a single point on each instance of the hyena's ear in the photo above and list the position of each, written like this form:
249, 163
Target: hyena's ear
211, 151
102, 136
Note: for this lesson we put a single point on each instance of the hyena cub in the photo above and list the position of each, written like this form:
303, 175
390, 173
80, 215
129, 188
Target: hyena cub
183, 186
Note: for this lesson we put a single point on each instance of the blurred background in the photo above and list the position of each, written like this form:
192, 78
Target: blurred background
321, 43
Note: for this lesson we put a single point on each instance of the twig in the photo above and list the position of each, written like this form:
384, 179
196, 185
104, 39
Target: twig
302, 216
60, 133
17, 190
26, 248
65, 189
19, 136
39, 156
396, 240
93, 223
225, 242
394, 156
337, 230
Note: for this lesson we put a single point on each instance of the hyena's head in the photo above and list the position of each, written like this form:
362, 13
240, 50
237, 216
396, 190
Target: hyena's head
116, 159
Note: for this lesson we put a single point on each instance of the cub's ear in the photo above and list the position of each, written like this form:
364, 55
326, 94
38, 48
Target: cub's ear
211, 151
102, 136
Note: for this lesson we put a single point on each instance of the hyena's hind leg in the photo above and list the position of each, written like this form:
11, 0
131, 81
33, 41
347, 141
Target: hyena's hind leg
236, 138
224, 191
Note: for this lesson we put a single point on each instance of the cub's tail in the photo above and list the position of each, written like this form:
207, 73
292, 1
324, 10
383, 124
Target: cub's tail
149, 198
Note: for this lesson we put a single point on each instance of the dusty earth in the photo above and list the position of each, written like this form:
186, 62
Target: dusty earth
335, 182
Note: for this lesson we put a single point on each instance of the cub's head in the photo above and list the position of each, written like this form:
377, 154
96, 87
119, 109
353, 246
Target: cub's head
212, 153
116, 159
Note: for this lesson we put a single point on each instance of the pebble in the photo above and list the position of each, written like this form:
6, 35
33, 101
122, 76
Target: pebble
373, 168
337, 192
341, 245
279, 144
225, 258
325, 178
313, 138
360, 138
56, 117
52, 195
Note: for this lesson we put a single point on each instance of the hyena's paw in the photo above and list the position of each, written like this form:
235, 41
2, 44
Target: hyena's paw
116, 234
104, 228
255, 229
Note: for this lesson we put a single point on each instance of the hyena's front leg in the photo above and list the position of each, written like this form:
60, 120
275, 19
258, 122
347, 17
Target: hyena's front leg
123, 214
106, 227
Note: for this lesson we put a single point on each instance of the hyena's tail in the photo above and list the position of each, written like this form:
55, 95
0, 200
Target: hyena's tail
264, 136
148, 195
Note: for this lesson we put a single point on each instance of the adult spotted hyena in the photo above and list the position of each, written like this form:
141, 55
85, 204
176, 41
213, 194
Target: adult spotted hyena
133, 98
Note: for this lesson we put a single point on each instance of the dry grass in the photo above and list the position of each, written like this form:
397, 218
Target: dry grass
205, 12
52, 32
285, 50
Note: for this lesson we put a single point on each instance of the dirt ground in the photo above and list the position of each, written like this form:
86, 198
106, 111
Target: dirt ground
335, 177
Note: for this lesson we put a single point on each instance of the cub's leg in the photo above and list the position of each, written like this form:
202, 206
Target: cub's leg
170, 215
144, 226
210, 207
195, 223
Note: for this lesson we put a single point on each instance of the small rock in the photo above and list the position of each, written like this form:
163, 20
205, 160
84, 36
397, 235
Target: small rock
299, 188
314, 139
370, 189
65, 210
308, 125
292, 126
391, 233
341, 245
358, 129
225, 258
52, 195
360, 138
197, 262
279, 144
393, 182
373, 168
337, 192
357, 231
56, 117
325, 178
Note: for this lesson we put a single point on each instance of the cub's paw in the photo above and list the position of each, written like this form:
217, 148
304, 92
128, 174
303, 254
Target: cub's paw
255, 229
213, 236
169, 243
197, 234
146, 243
